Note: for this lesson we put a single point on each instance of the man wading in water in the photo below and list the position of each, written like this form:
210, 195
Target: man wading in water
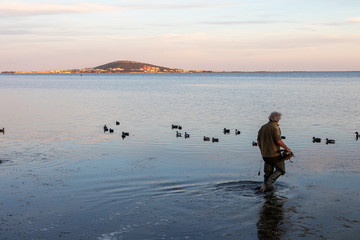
269, 142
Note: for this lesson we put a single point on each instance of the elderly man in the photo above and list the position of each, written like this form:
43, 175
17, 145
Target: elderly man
269, 142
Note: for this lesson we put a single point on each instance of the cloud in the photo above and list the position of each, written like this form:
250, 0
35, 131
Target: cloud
26, 9
246, 22
339, 23
354, 20
178, 6
32, 9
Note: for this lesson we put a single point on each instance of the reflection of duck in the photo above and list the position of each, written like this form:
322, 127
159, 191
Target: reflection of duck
254, 143
226, 131
316, 139
331, 141
106, 128
237, 132
206, 139
186, 135
215, 139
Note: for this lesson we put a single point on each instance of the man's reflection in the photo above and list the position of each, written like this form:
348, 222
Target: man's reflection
271, 216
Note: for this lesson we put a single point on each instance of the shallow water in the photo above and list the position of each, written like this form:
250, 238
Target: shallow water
63, 177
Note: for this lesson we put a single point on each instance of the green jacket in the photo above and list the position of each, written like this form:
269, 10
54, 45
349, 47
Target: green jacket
268, 135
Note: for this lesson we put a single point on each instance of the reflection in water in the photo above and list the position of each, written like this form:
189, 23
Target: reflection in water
270, 217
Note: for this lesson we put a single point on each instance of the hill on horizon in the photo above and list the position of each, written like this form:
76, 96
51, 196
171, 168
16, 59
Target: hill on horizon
132, 66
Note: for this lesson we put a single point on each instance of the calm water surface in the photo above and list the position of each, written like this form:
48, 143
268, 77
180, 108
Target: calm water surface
62, 177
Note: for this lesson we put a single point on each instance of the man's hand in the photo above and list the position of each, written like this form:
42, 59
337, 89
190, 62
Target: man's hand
287, 156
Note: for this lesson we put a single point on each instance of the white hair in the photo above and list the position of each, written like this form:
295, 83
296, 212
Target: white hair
275, 116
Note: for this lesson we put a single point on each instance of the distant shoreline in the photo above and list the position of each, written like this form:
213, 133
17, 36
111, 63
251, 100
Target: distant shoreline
125, 66
184, 71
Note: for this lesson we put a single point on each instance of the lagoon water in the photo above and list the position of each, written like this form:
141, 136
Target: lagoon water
62, 177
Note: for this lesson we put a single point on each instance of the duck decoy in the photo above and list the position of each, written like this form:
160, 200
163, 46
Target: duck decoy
283, 137
314, 139
237, 132
254, 143
178, 134
117, 123
215, 139
186, 135
330, 141
2, 130
106, 128
206, 139
111, 130
226, 131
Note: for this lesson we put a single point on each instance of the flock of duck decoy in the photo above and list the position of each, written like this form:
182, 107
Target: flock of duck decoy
331, 141
205, 138
327, 141
111, 130
212, 139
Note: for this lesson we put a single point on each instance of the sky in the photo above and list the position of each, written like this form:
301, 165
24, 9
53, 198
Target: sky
227, 35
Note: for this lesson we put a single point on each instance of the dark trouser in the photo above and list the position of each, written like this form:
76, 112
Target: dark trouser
270, 175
